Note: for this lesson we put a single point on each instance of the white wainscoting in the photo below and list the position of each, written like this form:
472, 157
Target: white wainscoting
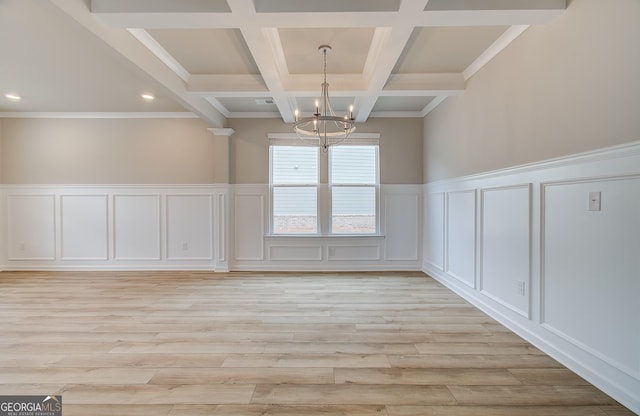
84, 227
565, 278
137, 227
604, 251
505, 246
249, 211
434, 235
115, 227
190, 227
461, 236
399, 247
402, 223
31, 230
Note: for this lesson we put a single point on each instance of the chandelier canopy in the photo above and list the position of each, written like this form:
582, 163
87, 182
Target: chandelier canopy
324, 128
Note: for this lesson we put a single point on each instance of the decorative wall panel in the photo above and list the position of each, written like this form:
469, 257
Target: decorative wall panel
84, 227
189, 227
434, 229
601, 309
295, 253
402, 214
249, 213
461, 236
136, 227
31, 227
506, 245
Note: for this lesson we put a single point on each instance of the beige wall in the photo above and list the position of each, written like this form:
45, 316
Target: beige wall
1, 169
172, 151
400, 148
108, 151
562, 88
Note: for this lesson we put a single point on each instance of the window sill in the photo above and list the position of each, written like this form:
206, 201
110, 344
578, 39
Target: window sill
324, 236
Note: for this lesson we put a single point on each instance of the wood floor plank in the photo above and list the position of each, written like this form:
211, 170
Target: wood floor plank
351, 394
473, 361
279, 410
546, 376
181, 376
185, 343
116, 410
530, 395
445, 376
336, 360
495, 411
157, 394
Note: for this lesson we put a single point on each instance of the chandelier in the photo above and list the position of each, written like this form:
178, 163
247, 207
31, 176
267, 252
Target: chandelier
324, 128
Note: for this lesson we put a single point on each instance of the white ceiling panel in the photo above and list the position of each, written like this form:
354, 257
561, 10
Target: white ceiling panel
314, 6
220, 59
207, 51
401, 104
349, 49
445, 49
249, 104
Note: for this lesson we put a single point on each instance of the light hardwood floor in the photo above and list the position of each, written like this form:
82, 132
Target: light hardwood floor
196, 343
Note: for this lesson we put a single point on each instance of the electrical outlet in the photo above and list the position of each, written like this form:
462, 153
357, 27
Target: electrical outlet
594, 201
185, 246
521, 288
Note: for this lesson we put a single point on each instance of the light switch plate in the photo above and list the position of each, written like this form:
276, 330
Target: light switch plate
594, 201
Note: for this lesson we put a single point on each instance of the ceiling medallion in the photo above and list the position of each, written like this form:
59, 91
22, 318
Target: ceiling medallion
324, 128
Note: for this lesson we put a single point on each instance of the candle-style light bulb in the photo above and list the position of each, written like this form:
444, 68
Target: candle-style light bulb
296, 113
317, 107
351, 111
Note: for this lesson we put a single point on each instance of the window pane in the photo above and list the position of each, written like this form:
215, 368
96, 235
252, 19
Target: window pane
294, 210
353, 165
353, 209
294, 165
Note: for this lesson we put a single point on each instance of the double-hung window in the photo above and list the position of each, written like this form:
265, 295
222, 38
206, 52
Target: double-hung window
353, 182
333, 193
295, 178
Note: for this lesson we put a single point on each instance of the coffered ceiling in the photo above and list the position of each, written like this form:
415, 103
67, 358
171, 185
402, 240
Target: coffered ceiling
220, 59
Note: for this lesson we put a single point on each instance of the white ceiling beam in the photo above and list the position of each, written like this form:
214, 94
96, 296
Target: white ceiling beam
342, 85
127, 47
432, 105
312, 83
494, 49
491, 12
394, 22
389, 46
159, 6
435, 5
147, 40
149, 15
237, 83
487, 17
420, 84
262, 43
327, 20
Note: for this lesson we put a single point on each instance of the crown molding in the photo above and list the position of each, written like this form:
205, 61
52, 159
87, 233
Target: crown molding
113, 115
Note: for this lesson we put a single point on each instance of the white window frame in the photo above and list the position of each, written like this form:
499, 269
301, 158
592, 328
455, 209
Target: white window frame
323, 190
375, 185
273, 186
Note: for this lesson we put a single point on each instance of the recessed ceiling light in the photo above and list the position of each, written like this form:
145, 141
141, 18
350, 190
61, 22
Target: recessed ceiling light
13, 97
148, 97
